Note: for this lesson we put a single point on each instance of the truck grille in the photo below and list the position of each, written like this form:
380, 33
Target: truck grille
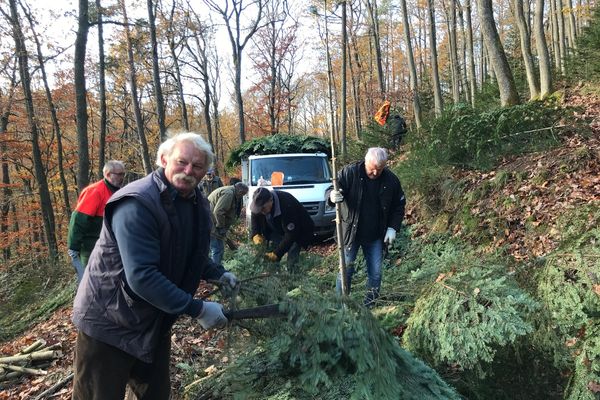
312, 207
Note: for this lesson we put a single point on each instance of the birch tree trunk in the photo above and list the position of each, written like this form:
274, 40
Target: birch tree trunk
506, 83
554, 34
435, 75
526, 49
561, 34
542, 50
411, 65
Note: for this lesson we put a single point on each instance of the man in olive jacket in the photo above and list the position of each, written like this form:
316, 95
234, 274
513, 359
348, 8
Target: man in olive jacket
372, 210
224, 203
278, 217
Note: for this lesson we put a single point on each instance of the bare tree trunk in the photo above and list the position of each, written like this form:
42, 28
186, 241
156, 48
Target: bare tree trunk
102, 93
52, 108
572, 25
6, 187
526, 49
561, 34
471, 66
506, 83
139, 121
554, 34
40, 173
330, 80
177, 71
238, 43
542, 50
160, 102
374, 23
453, 51
343, 99
462, 65
435, 75
83, 155
411, 65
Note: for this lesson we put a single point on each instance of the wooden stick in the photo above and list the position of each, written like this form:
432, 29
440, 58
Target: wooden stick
54, 387
33, 346
31, 371
38, 355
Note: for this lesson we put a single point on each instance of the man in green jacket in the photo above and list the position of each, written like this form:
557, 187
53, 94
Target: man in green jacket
224, 203
86, 220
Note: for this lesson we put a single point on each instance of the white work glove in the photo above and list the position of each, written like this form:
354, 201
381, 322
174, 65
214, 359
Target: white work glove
336, 196
390, 235
73, 253
230, 279
211, 315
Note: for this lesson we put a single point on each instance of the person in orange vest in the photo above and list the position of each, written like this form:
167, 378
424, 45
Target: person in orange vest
86, 220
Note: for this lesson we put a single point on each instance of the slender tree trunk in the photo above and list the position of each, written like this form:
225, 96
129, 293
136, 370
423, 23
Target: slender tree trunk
102, 92
542, 50
435, 75
506, 83
572, 25
176, 70
562, 45
83, 155
374, 22
411, 65
554, 34
139, 121
453, 51
40, 173
330, 80
160, 102
462, 65
6, 187
52, 108
526, 49
343, 99
471, 66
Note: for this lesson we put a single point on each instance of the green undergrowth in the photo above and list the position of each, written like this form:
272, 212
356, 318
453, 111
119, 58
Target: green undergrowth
323, 348
30, 292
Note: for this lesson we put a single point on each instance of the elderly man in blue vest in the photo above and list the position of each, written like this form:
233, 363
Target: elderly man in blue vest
142, 275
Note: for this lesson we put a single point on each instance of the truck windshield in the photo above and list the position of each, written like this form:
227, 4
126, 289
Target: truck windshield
290, 170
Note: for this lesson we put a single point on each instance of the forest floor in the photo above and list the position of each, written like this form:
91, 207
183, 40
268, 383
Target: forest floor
564, 184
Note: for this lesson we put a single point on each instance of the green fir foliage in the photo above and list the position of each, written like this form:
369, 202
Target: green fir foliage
279, 143
470, 138
469, 307
569, 288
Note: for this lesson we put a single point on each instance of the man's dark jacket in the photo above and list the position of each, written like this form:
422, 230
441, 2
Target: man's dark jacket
391, 200
106, 308
293, 223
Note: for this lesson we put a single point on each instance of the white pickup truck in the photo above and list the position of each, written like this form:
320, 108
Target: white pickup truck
307, 176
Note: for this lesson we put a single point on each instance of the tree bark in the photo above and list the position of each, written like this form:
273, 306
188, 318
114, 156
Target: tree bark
525, 38
411, 66
160, 102
506, 83
343, 99
371, 6
101, 93
52, 108
435, 75
471, 53
40, 173
542, 50
139, 121
83, 155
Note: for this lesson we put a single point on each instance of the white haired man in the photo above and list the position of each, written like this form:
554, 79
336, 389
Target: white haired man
373, 205
142, 275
